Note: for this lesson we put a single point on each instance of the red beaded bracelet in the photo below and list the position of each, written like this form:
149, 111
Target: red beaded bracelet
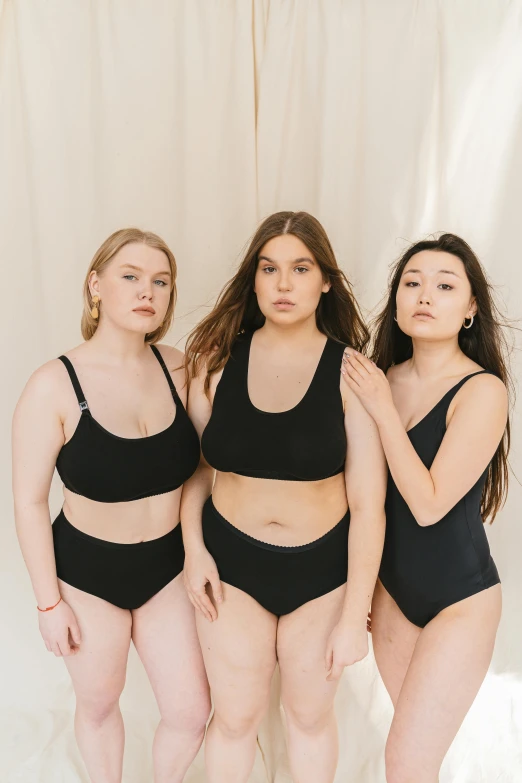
49, 607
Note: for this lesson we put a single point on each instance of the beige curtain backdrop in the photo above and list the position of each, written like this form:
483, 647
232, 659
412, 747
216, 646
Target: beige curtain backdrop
196, 119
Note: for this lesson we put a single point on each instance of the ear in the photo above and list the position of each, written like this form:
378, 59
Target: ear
472, 310
326, 287
94, 283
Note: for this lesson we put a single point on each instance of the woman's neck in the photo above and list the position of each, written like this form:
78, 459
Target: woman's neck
436, 359
118, 345
291, 335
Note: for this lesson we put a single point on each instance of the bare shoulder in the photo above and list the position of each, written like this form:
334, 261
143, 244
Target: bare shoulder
175, 362
46, 389
486, 389
397, 372
46, 381
172, 357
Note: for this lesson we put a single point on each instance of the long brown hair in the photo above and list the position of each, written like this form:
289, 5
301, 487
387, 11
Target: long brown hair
102, 259
484, 343
236, 310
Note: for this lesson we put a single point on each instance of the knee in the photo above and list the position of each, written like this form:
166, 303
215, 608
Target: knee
305, 719
97, 706
187, 718
238, 724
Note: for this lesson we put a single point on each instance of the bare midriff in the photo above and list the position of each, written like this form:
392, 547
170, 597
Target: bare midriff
130, 522
284, 513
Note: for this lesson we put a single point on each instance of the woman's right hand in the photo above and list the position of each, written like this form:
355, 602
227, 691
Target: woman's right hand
59, 630
199, 571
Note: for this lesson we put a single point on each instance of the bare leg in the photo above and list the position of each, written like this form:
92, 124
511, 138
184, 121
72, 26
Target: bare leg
307, 696
98, 674
394, 639
447, 667
239, 653
164, 633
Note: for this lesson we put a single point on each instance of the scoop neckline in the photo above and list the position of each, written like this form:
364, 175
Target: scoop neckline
303, 398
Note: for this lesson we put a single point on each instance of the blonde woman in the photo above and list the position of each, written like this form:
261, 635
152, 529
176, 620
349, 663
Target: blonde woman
110, 416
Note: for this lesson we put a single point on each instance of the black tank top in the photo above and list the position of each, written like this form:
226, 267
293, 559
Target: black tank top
111, 469
305, 443
440, 561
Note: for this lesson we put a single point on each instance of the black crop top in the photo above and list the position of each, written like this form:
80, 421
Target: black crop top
111, 469
305, 443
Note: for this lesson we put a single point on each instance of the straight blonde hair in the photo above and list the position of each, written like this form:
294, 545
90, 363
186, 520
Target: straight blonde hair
102, 259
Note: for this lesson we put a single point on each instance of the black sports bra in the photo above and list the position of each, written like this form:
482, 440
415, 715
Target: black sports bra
111, 469
305, 443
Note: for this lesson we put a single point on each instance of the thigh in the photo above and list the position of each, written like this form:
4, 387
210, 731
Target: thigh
302, 637
450, 661
164, 634
239, 650
98, 668
394, 639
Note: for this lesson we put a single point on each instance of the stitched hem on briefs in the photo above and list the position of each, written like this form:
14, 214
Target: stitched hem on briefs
125, 608
275, 547
442, 605
289, 611
113, 544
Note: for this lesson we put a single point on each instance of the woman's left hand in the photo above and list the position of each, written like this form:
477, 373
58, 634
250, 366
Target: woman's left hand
369, 383
346, 645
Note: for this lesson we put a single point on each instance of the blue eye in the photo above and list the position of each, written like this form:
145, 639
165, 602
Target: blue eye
128, 277
161, 282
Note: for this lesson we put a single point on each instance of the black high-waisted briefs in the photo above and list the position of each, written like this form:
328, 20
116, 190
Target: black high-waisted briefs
126, 575
280, 578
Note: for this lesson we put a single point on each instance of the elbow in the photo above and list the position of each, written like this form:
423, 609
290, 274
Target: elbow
428, 516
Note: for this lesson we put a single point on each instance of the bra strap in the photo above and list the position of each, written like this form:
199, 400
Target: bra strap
84, 406
168, 376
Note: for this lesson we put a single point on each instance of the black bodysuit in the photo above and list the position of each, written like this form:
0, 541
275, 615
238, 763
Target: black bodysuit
426, 569
107, 468
305, 443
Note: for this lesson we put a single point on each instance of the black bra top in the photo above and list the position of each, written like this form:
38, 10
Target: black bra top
111, 469
305, 443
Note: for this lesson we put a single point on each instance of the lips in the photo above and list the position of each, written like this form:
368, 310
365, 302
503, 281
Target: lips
283, 302
144, 310
422, 314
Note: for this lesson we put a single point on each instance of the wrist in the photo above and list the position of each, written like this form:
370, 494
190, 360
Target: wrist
387, 417
50, 607
352, 617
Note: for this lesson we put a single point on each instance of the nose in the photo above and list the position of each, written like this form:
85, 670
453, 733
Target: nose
146, 290
284, 283
424, 297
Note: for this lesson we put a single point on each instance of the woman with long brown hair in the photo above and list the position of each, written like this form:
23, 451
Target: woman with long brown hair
297, 477
438, 392
110, 416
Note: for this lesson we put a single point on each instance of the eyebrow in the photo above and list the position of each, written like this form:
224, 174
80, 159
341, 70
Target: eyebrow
295, 261
440, 272
139, 269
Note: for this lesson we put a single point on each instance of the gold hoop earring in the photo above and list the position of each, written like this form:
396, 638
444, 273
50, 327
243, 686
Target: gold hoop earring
94, 310
469, 325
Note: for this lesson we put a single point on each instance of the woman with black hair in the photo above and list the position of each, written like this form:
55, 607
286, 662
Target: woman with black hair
437, 393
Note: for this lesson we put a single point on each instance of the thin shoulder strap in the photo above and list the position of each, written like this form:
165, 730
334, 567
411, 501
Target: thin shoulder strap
452, 392
168, 376
84, 406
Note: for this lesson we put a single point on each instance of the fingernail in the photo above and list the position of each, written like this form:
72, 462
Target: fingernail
343, 371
